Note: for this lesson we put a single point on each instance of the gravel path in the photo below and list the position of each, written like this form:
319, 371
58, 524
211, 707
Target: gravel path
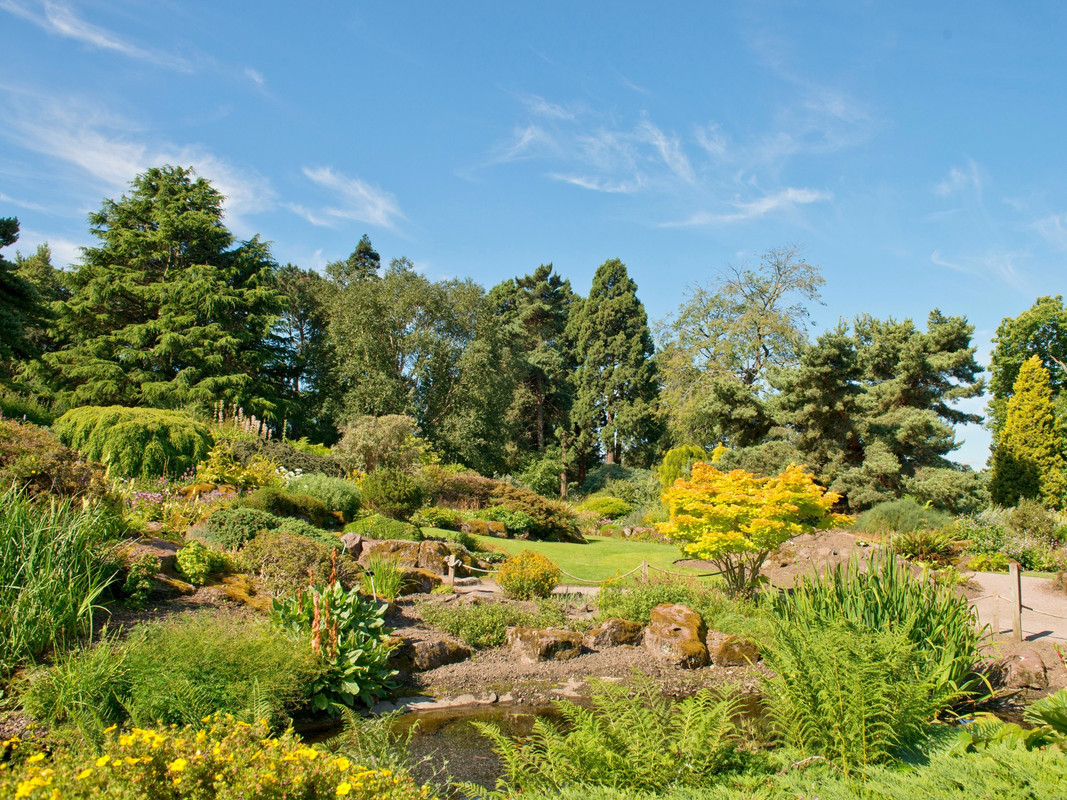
1044, 613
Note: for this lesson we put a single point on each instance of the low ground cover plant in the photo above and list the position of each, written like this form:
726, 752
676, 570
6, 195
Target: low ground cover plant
484, 624
528, 575
285, 561
1032, 537
377, 526
136, 442
56, 562
720, 613
215, 757
348, 635
177, 671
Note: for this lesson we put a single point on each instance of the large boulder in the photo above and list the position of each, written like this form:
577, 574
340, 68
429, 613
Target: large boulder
544, 644
353, 543
612, 633
432, 557
420, 581
406, 554
731, 651
676, 634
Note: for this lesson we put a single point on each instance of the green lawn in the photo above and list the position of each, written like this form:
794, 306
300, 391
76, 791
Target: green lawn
603, 557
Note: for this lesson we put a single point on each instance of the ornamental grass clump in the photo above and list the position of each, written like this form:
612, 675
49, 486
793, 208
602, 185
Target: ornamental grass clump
218, 758
55, 565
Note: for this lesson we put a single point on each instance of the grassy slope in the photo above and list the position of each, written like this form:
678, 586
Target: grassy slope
603, 557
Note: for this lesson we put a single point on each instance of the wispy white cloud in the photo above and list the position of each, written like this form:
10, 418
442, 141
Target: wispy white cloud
24, 204
1053, 229
669, 149
711, 138
787, 199
60, 19
960, 179
540, 107
599, 185
359, 201
995, 264
111, 151
65, 252
255, 76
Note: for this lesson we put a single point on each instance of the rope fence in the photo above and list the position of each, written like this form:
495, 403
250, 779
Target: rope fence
644, 568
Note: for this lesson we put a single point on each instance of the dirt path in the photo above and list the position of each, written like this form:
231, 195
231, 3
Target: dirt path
1044, 613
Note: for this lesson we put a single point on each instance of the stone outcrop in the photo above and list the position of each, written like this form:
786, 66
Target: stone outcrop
406, 554
676, 634
547, 644
424, 655
1023, 670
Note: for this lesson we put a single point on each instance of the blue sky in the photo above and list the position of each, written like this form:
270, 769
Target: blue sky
913, 150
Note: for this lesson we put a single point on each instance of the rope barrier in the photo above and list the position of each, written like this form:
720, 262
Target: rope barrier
644, 567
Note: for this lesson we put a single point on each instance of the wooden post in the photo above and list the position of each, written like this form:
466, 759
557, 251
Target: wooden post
996, 614
644, 572
1016, 580
451, 562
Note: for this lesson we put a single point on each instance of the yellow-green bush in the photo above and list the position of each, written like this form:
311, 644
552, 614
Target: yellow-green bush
224, 466
136, 442
222, 758
528, 575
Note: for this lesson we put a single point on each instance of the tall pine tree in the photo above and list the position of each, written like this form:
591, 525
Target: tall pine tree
166, 311
616, 392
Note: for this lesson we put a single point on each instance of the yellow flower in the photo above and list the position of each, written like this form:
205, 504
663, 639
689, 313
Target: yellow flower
35, 758
343, 788
177, 765
85, 773
342, 763
176, 779
126, 740
131, 760
55, 795
110, 728
102, 761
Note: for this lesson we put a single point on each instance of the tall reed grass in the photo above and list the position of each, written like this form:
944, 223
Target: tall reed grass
54, 566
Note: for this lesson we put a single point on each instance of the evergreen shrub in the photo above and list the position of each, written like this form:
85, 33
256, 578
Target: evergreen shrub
34, 460
285, 455
282, 503
528, 575
485, 624
456, 489
136, 442
551, 520
607, 507
515, 522
230, 528
901, 516
392, 493
378, 527
197, 563
436, 517
338, 495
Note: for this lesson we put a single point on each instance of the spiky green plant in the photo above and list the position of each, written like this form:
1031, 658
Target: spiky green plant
54, 566
941, 624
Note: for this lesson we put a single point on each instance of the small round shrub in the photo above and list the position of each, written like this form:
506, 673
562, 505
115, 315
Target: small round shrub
528, 575
282, 503
392, 493
551, 520
338, 495
455, 489
298, 527
136, 442
282, 561
378, 527
197, 563
230, 528
34, 460
1030, 517
607, 507
436, 517
224, 468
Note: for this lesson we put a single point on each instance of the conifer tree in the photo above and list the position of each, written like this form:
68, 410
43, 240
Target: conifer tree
166, 311
1029, 460
19, 304
615, 382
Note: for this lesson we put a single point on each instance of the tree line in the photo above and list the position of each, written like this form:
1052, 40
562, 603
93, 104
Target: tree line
168, 310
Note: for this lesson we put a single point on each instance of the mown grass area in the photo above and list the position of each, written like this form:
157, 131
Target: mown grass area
603, 557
